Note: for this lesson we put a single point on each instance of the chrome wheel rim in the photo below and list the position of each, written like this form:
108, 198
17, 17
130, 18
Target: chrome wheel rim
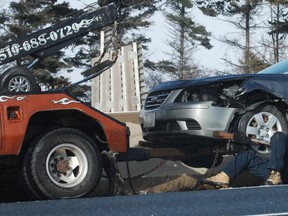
66, 165
262, 126
19, 84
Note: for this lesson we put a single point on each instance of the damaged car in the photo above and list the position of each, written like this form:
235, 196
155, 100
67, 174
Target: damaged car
184, 114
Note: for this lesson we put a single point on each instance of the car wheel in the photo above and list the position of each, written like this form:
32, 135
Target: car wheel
64, 163
18, 79
261, 123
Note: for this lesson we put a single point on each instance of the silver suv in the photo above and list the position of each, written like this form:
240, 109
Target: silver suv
184, 114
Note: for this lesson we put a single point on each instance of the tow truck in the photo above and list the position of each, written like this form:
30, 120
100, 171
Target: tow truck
60, 144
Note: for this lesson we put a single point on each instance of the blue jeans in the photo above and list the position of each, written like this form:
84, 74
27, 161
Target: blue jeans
248, 160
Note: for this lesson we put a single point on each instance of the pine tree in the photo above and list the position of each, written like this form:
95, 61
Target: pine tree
242, 11
277, 25
185, 35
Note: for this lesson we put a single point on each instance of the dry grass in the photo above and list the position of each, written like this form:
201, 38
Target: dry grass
150, 185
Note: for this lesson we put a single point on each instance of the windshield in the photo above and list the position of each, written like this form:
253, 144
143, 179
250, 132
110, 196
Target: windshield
279, 68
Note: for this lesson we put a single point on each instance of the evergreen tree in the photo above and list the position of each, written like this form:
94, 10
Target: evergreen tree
184, 36
243, 11
277, 28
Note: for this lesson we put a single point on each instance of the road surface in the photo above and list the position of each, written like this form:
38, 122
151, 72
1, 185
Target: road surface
262, 200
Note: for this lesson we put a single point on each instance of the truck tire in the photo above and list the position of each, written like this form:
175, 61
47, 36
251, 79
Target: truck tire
18, 79
26, 179
64, 163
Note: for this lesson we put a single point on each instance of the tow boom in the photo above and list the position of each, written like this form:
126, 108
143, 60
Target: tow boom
50, 40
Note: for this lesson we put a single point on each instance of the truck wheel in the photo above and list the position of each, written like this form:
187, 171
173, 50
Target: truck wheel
261, 123
18, 79
64, 163
26, 179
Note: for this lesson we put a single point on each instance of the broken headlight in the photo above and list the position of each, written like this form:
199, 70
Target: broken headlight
196, 95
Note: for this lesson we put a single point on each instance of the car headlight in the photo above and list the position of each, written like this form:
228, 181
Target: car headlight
188, 96
185, 97
197, 95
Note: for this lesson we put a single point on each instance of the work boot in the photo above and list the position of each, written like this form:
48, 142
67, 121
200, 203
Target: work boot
274, 178
221, 180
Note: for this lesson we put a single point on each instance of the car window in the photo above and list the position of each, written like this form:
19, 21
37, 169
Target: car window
278, 68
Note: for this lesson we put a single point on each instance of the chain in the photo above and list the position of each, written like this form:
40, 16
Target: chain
130, 178
214, 162
199, 187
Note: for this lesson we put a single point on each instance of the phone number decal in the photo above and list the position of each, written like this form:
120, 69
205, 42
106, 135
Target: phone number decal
14, 49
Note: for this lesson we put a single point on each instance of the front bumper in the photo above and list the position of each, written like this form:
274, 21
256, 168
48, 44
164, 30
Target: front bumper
185, 122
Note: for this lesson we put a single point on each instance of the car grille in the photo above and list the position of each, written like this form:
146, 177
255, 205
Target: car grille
173, 126
165, 126
155, 99
193, 125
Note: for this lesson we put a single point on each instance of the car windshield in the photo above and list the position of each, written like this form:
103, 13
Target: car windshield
279, 68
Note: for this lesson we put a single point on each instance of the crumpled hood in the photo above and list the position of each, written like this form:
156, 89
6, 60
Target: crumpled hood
274, 84
179, 84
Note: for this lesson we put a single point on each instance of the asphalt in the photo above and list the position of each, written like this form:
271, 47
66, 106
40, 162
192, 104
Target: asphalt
256, 201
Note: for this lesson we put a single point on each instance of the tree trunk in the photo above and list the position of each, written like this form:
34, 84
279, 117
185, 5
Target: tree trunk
276, 53
247, 35
182, 47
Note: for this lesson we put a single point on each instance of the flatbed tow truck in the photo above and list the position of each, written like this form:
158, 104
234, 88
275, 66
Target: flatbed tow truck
61, 145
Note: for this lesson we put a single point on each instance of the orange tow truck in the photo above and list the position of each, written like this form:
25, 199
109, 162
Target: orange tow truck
61, 145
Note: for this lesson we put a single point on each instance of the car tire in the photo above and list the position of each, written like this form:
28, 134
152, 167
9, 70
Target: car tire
18, 79
261, 123
63, 163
